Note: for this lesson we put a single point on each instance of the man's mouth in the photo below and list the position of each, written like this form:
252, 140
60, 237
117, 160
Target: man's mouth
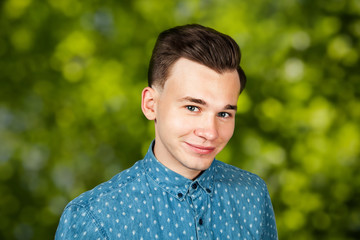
200, 149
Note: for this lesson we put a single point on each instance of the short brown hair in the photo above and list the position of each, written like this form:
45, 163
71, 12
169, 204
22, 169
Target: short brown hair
201, 44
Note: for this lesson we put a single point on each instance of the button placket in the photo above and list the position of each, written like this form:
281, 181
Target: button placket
199, 198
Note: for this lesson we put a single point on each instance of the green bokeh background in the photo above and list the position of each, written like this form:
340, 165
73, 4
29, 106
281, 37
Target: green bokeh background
71, 75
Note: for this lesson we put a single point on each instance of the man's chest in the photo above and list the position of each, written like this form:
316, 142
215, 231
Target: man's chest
160, 215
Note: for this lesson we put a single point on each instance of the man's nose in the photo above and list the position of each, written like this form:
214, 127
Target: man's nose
207, 129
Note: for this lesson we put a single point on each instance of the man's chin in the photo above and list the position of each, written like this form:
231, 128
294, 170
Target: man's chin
203, 164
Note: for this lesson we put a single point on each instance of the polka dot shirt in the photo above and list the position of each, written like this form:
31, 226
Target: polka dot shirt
149, 201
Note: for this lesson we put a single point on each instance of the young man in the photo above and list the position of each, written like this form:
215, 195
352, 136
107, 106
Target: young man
179, 191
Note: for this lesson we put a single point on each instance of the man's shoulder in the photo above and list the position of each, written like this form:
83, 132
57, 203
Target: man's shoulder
234, 176
106, 189
96, 204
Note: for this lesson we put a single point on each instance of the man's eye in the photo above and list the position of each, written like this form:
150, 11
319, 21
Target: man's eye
192, 108
224, 115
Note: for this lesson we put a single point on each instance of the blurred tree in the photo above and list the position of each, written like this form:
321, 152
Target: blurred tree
71, 74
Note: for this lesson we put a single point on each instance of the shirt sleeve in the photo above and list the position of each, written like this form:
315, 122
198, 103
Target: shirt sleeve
269, 230
77, 222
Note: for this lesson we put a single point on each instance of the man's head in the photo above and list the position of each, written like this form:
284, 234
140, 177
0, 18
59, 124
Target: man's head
194, 84
197, 43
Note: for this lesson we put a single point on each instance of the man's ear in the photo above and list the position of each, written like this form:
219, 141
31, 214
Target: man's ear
148, 102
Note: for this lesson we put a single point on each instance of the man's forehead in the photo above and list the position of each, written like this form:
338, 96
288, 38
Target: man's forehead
186, 67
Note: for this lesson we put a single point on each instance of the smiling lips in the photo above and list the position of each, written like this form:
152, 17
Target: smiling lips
200, 149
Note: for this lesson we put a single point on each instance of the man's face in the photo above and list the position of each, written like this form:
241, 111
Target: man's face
195, 116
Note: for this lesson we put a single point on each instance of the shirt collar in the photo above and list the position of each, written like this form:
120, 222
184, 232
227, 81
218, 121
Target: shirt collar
174, 183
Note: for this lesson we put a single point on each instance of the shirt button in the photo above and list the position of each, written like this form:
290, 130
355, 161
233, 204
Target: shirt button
180, 195
194, 186
200, 221
208, 190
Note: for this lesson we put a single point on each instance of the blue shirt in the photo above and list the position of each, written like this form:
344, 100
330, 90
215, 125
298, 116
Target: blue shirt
149, 201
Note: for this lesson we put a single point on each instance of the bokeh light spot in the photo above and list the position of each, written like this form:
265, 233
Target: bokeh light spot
293, 69
16, 8
22, 39
300, 40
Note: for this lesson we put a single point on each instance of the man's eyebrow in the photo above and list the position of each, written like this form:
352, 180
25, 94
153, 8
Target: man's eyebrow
231, 107
202, 102
194, 100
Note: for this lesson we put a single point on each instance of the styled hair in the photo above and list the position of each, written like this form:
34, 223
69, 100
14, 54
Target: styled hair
194, 42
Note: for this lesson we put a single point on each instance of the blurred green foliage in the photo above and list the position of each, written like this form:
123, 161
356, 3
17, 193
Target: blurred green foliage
71, 74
